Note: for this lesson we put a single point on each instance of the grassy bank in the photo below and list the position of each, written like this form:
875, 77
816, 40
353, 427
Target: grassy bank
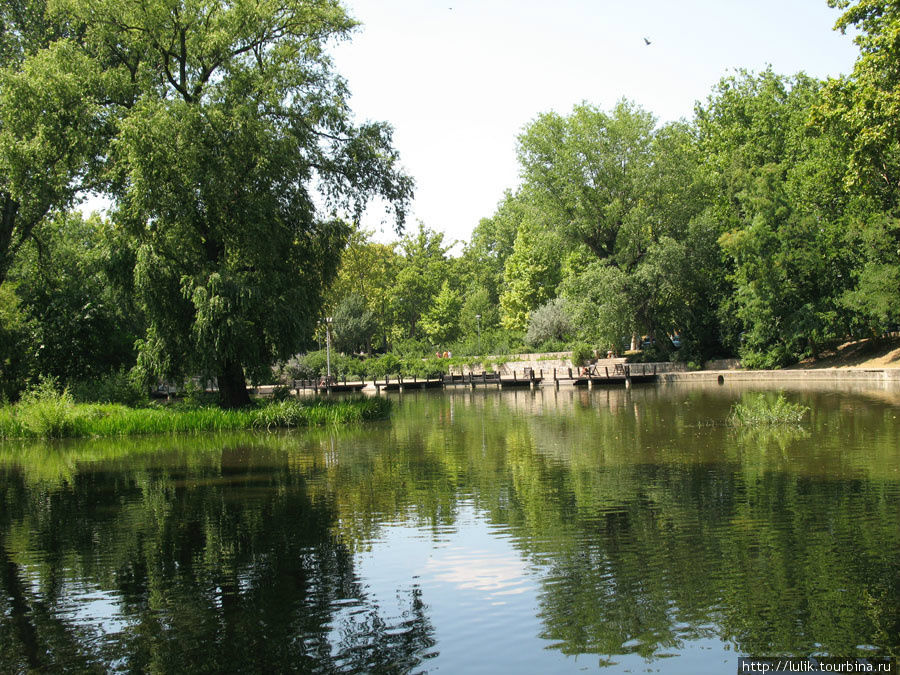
58, 416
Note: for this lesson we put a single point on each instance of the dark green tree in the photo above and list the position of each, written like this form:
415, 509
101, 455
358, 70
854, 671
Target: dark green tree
367, 270
863, 112
81, 324
779, 203
50, 131
232, 152
354, 324
627, 191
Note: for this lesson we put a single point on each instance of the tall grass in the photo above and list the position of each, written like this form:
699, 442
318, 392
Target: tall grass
47, 413
764, 411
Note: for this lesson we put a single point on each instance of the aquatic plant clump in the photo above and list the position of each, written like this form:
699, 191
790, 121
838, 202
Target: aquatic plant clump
764, 411
51, 414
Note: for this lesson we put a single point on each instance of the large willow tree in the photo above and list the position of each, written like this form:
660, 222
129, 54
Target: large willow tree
232, 158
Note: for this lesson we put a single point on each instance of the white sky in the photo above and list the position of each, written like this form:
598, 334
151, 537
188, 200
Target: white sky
458, 79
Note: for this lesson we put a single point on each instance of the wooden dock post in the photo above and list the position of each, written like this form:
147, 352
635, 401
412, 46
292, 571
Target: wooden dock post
628, 377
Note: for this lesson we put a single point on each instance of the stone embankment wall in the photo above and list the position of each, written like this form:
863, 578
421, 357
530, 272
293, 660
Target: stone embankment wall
723, 364
849, 375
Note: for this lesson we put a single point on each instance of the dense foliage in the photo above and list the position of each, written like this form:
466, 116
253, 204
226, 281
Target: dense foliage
767, 227
761, 228
216, 129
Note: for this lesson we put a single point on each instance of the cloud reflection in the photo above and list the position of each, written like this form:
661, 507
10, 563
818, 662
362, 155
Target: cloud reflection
494, 574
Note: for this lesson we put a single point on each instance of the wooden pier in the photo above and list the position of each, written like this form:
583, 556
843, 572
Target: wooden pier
332, 386
619, 375
406, 384
622, 374
485, 379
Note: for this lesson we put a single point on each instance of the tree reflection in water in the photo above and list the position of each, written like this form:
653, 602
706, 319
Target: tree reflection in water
644, 529
220, 566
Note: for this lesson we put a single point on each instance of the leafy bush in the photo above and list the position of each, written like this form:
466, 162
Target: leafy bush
552, 346
194, 395
550, 321
411, 347
307, 366
46, 411
115, 387
281, 393
424, 368
581, 354
379, 367
762, 410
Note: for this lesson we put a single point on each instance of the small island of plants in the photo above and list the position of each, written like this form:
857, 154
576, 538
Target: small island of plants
764, 411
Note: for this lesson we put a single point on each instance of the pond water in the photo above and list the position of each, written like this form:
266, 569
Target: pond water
546, 531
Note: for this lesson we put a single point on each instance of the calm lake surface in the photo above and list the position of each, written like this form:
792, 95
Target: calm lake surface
522, 532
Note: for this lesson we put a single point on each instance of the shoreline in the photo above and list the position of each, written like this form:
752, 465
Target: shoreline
855, 375
848, 375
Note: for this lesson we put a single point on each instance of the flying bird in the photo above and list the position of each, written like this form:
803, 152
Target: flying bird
646, 41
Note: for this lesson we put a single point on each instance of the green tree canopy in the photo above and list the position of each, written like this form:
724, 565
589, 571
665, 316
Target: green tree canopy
82, 325
50, 130
422, 268
778, 202
493, 239
622, 188
532, 273
863, 111
232, 152
367, 270
354, 324
440, 322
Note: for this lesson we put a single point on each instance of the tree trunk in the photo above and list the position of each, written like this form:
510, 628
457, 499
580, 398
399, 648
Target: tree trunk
8, 210
232, 386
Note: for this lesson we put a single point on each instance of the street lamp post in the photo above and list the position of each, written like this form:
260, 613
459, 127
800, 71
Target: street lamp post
478, 322
328, 320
